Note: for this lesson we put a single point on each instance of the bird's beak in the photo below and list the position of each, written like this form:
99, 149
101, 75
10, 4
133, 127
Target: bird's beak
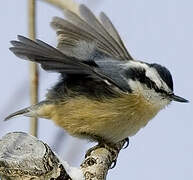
178, 99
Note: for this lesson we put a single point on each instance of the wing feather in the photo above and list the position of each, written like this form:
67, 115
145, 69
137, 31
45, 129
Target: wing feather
54, 60
108, 25
66, 31
86, 27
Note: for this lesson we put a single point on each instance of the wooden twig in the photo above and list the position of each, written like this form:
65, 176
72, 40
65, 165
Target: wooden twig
99, 160
33, 67
23, 156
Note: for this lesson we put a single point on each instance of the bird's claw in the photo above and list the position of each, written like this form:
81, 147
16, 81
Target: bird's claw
113, 164
126, 143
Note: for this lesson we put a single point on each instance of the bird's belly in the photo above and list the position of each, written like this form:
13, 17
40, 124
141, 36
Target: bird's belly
123, 125
111, 119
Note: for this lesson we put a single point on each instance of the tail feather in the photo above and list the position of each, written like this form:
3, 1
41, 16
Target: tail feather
25, 112
31, 111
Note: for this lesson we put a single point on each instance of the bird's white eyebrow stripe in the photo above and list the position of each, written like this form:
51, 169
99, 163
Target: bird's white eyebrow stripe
150, 72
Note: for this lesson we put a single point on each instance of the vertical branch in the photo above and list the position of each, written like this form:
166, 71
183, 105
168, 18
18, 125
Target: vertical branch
64, 4
33, 66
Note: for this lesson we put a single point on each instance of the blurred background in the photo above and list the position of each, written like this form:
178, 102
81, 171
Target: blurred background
154, 31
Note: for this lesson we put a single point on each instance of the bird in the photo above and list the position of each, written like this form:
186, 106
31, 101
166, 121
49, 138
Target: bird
103, 93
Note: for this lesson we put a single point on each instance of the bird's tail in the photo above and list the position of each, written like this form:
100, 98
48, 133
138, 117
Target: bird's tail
31, 111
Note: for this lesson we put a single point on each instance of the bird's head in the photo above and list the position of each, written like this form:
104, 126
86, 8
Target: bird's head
153, 81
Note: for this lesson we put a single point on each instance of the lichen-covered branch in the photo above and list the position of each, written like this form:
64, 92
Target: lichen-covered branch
99, 159
24, 157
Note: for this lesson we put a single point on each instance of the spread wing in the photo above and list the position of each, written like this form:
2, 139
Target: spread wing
51, 59
80, 35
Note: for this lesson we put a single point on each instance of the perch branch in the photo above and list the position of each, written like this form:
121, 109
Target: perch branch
99, 160
23, 156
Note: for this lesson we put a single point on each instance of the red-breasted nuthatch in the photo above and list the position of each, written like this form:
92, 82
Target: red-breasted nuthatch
103, 93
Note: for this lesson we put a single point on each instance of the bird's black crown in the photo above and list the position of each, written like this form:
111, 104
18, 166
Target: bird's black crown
164, 74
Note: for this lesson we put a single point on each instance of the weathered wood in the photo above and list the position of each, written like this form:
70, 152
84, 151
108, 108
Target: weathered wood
99, 159
23, 156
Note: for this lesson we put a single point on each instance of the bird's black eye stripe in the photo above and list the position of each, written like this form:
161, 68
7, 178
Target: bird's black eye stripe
138, 74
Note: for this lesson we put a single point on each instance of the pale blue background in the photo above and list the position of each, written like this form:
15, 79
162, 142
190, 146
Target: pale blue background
154, 31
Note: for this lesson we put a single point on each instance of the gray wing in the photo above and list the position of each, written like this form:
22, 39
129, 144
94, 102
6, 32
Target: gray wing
81, 35
114, 69
51, 59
